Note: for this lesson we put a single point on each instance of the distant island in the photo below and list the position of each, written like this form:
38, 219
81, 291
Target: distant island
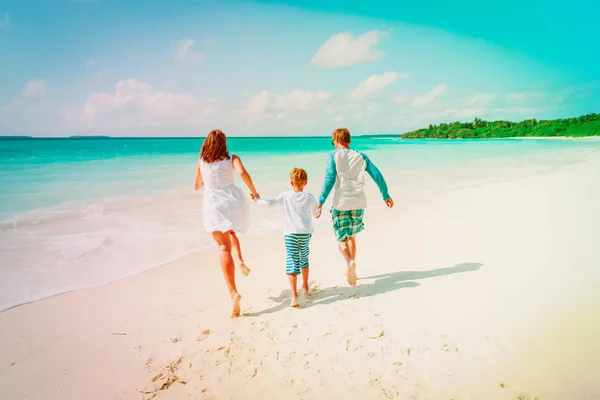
15, 137
89, 137
586, 125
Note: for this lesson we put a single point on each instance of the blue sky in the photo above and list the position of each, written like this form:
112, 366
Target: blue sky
299, 67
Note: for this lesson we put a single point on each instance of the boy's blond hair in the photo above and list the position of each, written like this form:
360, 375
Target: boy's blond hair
342, 136
299, 177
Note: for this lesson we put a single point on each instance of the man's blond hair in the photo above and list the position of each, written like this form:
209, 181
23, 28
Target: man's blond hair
342, 136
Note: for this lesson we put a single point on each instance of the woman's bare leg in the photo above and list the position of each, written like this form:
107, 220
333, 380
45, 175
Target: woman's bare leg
228, 269
237, 252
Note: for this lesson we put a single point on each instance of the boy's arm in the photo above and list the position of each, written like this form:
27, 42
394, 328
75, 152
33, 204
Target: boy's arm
374, 172
316, 210
270, 202
330, 177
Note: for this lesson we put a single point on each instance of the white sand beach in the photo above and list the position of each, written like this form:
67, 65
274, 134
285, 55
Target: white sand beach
487, 292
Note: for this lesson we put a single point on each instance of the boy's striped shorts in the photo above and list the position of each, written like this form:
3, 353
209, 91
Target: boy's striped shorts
297, 252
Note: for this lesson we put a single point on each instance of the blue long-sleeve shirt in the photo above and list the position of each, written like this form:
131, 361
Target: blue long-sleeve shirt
345, 176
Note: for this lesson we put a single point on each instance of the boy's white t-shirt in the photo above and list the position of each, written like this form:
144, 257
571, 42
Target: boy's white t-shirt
299, 208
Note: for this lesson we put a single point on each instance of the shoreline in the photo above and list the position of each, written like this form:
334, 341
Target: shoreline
105, 283
487, 314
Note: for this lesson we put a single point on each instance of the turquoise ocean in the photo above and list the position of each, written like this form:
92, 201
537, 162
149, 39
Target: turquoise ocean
77, 213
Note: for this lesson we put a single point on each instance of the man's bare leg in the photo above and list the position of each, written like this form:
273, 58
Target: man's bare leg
346, 252
305, 280
352, 246
228, 268
237, 252
293, 278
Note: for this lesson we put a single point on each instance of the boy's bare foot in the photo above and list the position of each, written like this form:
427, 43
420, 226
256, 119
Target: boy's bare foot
244, 268
235, 299
294, 302
351, 273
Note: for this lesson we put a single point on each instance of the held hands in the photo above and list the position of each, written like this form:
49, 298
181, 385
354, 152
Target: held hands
320, 207
389, 203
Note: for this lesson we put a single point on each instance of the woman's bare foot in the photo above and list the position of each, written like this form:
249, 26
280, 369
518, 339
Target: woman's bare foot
294, 302
306, 290
235, 299
351, 273
244, 268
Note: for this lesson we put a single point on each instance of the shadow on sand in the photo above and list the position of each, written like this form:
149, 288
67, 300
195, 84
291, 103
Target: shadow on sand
383, 283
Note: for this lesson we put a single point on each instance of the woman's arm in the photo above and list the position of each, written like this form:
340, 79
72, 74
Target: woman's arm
239, 167
198, 182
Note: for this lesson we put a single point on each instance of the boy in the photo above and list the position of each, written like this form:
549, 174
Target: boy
345, 174
298, 209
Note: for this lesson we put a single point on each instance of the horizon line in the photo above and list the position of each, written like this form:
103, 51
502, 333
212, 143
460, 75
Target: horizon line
16, 137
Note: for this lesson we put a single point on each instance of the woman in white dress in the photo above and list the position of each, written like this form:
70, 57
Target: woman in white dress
225, 208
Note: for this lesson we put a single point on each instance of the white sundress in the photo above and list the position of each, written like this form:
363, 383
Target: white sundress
225, 206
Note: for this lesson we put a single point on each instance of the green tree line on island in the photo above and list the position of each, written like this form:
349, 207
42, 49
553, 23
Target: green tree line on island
586, 125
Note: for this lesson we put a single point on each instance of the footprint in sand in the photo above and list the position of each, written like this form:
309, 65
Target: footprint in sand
373, 333
163, 380
449, 345
204, 335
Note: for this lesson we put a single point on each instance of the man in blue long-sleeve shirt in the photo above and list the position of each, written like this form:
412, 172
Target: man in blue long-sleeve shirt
345, 175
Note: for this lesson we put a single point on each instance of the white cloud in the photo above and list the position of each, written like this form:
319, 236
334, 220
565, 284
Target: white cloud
258, 105
90, 63
297, 100
367, 111
372, 85
401, 98
523, 97
5, 21
429, 97
481, 105
345, 49
33, 91
136, 104
183, 53
463, 113
101, 74
29, 112
481, 99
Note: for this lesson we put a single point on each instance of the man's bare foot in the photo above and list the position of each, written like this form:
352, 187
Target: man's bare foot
235, 299
294, 302
244, 268
351, 273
